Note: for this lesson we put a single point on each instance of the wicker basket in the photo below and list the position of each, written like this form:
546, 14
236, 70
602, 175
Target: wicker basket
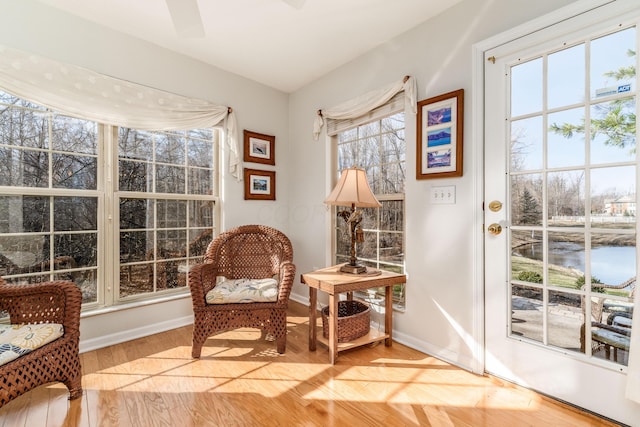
353, 320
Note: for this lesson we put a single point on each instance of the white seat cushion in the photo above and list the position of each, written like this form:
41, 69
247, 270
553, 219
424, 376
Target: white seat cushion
243, 291
18, 340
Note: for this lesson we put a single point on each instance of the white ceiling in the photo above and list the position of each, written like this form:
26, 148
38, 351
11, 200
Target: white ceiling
268, 41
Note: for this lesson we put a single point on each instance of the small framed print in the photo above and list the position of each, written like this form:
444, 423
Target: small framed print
259, 185
259, 148
440, 127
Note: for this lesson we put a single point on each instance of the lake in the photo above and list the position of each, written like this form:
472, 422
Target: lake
610, 264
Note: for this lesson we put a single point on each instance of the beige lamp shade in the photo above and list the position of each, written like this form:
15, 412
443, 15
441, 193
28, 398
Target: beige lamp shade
353, 190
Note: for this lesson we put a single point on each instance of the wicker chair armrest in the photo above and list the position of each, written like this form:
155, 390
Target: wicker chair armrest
285, 281
202, 278
612, 316
616, 329
46, 302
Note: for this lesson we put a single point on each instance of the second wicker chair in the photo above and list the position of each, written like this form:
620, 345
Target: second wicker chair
245, 252
48, 302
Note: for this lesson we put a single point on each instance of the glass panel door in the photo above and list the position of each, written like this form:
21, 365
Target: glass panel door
572, 180
560, 179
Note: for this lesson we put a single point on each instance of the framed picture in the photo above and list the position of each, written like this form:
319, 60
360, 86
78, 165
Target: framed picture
439, 147
259, 148
259, 185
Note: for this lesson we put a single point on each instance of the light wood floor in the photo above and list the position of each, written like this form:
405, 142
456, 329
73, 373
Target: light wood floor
242, 381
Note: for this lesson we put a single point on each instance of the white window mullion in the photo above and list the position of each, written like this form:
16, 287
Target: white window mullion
108, 233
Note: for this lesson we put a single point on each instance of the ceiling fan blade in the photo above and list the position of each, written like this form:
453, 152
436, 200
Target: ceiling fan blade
186, 18
295, 3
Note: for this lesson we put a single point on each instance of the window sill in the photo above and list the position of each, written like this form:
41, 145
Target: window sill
134, 304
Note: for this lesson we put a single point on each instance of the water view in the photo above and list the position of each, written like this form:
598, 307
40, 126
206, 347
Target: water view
610, 264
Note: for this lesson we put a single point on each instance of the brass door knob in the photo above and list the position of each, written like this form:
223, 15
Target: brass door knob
495, 229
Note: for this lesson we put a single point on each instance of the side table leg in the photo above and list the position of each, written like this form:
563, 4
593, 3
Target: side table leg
313, 300
333, 328
388, 315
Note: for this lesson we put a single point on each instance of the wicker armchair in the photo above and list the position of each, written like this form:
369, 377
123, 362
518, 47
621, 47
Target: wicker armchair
48, 302
245, 252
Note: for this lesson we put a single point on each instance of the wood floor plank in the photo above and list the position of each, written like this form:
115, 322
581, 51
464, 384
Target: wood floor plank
241, 380
15, 413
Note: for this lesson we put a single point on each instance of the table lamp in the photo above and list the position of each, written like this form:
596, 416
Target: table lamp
353, 190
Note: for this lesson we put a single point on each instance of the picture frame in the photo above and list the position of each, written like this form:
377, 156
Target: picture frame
439, 136
259, 148
259, 184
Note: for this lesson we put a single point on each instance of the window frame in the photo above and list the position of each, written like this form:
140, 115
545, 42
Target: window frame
107, 265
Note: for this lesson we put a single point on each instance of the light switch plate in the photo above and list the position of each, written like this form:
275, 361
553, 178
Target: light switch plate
444, 195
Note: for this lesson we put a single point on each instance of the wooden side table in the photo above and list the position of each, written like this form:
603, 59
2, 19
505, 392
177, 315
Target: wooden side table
333, 282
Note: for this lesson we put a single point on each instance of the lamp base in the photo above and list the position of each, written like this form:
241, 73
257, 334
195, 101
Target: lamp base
353, 269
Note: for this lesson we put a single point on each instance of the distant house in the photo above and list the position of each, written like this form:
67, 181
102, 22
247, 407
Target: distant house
625, 205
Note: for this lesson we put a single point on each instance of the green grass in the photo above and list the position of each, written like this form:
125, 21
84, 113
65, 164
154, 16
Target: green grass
558, 276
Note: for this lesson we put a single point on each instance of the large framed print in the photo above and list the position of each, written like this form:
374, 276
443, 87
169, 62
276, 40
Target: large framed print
259, 185
259, 148
439, 136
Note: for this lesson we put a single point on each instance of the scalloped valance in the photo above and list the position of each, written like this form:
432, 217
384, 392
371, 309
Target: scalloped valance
88, 95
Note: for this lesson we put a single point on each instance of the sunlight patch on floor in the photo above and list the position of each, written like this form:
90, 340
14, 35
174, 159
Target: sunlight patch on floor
107, 382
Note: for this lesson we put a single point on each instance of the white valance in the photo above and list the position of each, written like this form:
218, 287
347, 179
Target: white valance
367, 102
85, 94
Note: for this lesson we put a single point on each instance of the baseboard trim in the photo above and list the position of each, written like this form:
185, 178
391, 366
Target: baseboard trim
132, 334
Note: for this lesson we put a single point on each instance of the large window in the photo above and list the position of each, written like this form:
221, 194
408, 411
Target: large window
166, 211
101, 205
379, 148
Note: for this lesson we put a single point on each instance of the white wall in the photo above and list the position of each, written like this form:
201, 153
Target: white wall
439, 243
36, 28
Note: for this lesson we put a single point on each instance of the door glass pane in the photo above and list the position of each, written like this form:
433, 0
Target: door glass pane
526, 144
565, 147
613, 264
526, 199
613, 199
613, 64
566, 77
566, 255
565, 198
526, 256
613, 143
526, 87
611, 329
565, 316
527, 312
